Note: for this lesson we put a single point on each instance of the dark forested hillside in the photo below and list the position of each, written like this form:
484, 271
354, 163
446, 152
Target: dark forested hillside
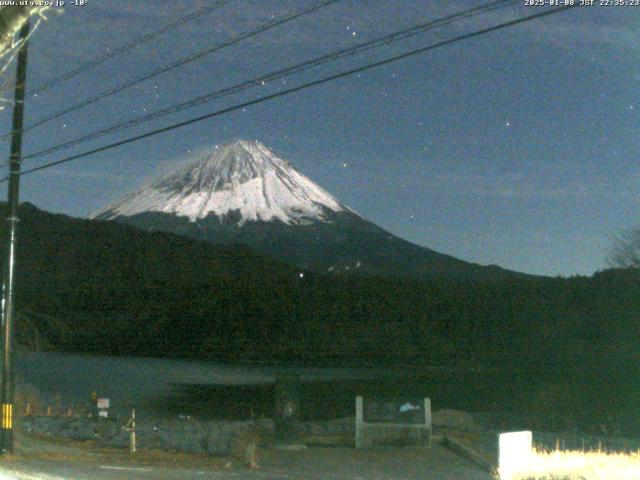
119, 290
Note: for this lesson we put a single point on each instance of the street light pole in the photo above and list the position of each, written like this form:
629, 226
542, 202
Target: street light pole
6, 393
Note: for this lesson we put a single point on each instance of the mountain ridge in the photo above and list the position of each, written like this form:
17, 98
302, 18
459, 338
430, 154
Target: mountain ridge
245, 194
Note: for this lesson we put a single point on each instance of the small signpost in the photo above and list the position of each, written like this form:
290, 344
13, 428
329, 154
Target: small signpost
398, 421
103, 407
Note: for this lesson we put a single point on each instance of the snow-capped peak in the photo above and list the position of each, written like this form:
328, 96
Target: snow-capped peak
243, 176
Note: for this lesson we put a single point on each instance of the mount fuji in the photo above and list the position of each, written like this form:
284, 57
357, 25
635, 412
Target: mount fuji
244, 193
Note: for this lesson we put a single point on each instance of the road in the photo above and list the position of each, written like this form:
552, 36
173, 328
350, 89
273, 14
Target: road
436, 463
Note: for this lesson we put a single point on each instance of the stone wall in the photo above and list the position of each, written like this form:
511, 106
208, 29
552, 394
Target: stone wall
180, 434
183, 435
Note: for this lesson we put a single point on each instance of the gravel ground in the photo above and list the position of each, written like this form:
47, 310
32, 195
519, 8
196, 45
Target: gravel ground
313, 464
47, 459
372, 464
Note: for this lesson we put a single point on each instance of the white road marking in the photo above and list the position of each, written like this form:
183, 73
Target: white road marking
133, 469
17, 475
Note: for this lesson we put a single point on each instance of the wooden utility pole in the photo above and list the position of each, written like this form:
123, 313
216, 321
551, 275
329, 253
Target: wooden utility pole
13, 193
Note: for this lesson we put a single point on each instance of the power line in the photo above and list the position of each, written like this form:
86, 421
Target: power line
314, 83
133, 44
180, 63
297, 68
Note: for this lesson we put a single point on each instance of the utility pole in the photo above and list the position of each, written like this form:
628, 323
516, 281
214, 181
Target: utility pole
6, 393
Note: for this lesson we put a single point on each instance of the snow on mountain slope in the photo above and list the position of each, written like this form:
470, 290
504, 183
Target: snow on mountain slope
243, 176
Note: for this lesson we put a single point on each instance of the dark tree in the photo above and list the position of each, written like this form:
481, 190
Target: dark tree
625, 250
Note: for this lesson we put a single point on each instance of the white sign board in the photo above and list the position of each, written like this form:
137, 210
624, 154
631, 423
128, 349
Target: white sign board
384, 421
103, 414
103, 403
515, 453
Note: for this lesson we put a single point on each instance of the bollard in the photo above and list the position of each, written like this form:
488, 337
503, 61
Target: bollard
27, 409
133, 431
48, 410
131, 427
515, 451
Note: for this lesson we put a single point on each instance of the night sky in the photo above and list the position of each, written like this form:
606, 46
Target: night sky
517, 148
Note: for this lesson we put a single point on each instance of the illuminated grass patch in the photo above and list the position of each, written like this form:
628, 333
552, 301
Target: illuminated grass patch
577, 465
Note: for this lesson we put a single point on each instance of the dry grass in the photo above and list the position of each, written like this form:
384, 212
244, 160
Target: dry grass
40, 447
577, 465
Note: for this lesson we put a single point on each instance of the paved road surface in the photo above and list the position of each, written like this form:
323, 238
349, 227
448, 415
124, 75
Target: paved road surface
436, 463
